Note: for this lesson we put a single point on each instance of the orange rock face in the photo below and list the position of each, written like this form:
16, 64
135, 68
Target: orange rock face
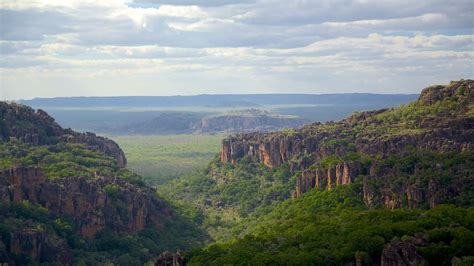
266, 159
325, 179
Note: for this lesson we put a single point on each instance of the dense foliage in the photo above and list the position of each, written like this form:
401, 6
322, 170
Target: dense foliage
333, 228
220, 196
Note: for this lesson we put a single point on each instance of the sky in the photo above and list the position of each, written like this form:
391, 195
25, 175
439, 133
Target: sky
183, 47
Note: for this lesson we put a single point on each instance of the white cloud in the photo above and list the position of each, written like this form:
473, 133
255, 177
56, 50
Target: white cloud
256, 45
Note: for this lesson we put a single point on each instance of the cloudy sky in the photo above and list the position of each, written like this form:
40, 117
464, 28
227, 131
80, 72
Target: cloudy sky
170, 47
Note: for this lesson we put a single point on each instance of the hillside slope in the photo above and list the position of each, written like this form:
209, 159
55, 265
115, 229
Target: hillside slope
66, 197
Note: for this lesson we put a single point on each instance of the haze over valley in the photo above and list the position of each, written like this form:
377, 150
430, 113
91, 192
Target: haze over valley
208, 113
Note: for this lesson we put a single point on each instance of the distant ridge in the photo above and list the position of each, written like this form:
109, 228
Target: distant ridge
217, 100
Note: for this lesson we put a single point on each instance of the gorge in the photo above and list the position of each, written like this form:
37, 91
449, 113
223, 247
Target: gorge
387, 187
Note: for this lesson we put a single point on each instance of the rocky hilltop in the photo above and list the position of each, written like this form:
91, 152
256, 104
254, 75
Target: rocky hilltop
39, 128
188, 122
380, 147
245, 121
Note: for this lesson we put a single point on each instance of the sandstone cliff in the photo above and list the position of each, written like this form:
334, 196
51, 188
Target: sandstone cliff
333, 154
93, 205
90, 202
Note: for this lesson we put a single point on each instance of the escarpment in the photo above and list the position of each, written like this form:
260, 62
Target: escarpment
93, 203
65, 194
378, 147
39, 128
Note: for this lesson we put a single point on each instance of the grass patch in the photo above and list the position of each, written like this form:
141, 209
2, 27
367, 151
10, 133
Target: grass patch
161, 158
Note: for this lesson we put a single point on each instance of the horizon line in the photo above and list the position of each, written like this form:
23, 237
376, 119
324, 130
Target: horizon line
210, 94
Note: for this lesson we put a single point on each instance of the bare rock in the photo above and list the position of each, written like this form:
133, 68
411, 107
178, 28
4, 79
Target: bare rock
167, 258
403, 253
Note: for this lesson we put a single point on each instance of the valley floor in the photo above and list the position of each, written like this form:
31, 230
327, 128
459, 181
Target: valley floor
161, 158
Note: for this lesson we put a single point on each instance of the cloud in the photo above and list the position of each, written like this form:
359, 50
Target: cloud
206, 3
257, 44
30, 25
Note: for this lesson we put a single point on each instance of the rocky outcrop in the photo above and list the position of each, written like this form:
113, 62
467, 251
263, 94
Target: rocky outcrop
436, 93
98, 143
326, 178
272, 149
24, 123
87, 201
39, 128
167, 258
245, 121
304, 183
446, 124
403, 253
